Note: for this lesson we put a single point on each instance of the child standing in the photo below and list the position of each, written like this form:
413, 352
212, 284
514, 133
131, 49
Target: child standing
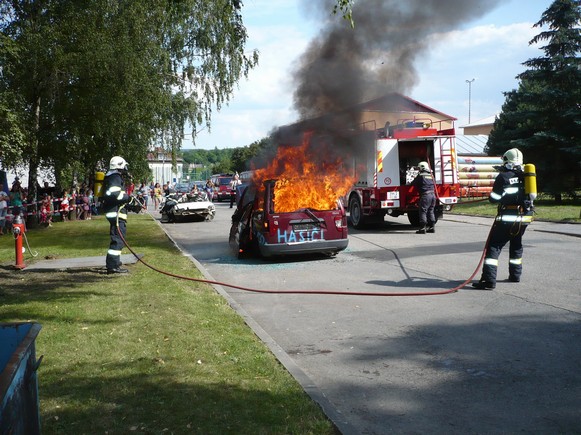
3, 210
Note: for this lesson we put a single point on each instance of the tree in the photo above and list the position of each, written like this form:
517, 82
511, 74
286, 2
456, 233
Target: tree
345, 8
102, 78
543, 116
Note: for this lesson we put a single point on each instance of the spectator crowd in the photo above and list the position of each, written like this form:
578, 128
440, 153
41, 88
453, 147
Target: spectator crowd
76, 203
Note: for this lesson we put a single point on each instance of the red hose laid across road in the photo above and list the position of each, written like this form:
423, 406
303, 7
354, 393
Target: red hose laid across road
313, 292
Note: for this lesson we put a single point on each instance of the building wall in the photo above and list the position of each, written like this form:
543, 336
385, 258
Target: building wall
478, 129
159, 161
162, 172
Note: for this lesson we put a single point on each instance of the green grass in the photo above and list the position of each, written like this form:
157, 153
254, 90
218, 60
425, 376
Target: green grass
547, 210
144, 353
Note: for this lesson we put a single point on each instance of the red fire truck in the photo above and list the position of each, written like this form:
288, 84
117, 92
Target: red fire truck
385, 162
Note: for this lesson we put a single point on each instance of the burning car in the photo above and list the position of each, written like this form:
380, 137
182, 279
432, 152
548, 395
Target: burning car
258, 226
179, 206
298, 212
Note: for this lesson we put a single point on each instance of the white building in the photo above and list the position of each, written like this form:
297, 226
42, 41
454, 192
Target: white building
159, 161
475, 136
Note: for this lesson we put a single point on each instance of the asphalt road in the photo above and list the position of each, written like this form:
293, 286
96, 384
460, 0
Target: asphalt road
469, 362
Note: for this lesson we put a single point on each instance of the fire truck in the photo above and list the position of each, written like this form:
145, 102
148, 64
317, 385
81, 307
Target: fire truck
384, 163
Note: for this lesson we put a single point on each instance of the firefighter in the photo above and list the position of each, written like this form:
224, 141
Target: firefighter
115, 198
424, 182
515, 211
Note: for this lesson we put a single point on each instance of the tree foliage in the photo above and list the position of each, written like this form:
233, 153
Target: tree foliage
230, 159
345, 8
85, 80
543, 116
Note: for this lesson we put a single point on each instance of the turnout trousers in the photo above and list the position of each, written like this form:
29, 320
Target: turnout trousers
113, 259
427, 205
501, 234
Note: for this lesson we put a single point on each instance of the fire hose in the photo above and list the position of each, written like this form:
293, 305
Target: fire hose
310, 292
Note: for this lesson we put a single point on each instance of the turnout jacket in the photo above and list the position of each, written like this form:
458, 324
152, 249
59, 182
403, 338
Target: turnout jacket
424, 182
114, 197
509, 193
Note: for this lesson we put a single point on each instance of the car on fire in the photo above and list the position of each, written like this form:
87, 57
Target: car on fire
182, 206
258, 227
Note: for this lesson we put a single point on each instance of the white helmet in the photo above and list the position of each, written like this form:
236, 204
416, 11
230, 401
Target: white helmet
118, 162
512, 158
424, 166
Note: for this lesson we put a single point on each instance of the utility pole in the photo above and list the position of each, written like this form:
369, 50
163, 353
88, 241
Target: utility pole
469, 97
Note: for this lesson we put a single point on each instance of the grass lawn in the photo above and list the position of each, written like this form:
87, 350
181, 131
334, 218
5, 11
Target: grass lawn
569, 211
144, 353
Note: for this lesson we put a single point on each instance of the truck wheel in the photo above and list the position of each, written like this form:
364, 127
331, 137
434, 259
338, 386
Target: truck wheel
355, 212
414, 218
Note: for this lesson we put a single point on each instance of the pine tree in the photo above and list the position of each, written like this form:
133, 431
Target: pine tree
543, 116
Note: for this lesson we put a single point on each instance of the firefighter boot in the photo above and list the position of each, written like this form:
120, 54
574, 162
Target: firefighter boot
421, 231
117, 270
484, 285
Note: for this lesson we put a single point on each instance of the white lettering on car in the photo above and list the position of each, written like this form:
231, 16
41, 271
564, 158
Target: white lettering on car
300, 236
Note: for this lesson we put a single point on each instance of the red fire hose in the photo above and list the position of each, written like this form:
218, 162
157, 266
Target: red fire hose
313, 292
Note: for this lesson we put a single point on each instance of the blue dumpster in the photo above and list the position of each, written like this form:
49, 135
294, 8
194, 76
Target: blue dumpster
19, 406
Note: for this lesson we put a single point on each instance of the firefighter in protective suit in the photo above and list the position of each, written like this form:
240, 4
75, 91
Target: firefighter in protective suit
115, 198
424, 183
515, 212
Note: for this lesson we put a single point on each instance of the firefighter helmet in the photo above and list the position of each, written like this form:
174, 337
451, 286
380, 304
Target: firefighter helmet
512, 158
118, 162
424, 166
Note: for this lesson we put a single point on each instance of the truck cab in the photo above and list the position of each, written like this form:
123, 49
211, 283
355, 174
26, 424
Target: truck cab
222, 189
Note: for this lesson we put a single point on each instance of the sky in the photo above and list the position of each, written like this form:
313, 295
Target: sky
487, 51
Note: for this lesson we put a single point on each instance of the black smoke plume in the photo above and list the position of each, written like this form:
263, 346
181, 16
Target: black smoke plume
343, 67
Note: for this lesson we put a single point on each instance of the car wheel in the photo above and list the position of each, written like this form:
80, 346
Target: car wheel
234, 239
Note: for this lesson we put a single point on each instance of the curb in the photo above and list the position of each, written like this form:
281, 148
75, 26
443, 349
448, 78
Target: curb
333, 414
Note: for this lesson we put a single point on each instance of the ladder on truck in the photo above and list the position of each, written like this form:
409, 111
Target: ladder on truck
446, 166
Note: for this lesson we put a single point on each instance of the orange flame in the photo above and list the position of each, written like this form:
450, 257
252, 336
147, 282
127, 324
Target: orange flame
303, 180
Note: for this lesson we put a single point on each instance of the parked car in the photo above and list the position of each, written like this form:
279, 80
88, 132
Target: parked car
182, 188
179, 206
257, 227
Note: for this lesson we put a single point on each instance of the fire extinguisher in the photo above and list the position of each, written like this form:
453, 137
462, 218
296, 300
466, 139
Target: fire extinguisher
18, 229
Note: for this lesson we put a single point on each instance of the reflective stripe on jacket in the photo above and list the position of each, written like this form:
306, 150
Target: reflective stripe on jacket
508, 192
114, 197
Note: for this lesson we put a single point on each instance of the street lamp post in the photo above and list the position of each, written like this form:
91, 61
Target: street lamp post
469, 97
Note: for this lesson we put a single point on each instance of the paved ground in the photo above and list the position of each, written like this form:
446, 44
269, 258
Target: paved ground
476, 362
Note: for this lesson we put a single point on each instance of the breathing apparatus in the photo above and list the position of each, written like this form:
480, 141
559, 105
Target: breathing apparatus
513, 159
530, 182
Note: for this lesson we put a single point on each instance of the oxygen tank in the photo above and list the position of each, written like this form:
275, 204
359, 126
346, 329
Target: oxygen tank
530, 181
98, 190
